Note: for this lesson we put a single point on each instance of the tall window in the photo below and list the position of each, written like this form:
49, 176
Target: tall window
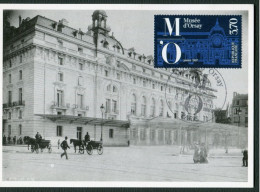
111, 133
59, 130
21, 58
144, 83
9, 97
59, 98
80, 81
60, 76
114, 89
80, 101
10, 63
118, 76
20, 95
80, 66
20, 114
106, 73
20, 129
134, 80
161, 108
10, 78
153, 107
60, 60
133, 105
114, 106
143, 106
9, 115
108, 103
20, 75
79, 133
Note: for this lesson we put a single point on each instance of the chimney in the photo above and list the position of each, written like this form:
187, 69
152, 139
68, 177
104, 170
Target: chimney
20, 20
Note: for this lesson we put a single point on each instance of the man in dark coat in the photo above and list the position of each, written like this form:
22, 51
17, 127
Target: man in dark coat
87, 137
245, 158
14, 140
38, 137
64, 145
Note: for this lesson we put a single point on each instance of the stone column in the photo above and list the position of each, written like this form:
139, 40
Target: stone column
156, 137
172, 137
147, 136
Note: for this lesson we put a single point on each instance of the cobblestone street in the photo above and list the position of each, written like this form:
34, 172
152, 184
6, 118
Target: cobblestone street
135, 163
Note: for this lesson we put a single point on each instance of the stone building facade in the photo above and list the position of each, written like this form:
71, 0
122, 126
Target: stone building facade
239, 110
52, 71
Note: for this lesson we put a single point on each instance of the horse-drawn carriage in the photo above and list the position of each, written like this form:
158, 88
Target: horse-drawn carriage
36, 145
90, 146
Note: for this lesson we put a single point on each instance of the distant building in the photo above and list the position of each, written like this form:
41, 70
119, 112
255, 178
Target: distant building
239, 110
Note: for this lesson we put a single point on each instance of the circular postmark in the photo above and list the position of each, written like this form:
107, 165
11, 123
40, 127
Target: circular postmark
198, 92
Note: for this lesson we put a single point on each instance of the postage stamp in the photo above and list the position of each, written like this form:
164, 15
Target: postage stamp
197, 41
127, 96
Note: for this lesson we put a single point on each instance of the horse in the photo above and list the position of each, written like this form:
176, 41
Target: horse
30, 141
79, 143
42, 144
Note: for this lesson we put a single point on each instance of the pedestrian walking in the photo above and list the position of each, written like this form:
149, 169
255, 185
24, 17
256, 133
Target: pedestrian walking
245, 158
9, 139
64, 145
14, 140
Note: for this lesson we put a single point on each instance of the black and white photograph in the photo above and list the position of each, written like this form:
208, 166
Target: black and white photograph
82, 100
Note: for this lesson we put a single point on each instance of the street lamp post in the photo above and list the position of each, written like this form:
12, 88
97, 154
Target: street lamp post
102, 108
238, 134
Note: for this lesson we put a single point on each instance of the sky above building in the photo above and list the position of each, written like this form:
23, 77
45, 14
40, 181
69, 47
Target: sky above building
136, 29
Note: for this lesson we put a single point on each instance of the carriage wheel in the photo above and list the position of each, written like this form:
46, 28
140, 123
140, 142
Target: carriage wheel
100, 149
89, 149
81, 150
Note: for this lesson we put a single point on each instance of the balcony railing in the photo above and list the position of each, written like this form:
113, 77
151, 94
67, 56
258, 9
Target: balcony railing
14, 104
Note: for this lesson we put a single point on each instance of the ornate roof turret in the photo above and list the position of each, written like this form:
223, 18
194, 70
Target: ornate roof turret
217, 29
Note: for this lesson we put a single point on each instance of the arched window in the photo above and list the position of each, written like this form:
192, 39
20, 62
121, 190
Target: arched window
153, 108
143, 106
133, 105
161, 108
114, 89
109, 88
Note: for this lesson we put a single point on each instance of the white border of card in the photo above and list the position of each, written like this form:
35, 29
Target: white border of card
189, 8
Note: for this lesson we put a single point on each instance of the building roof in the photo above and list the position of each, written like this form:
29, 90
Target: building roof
86, 120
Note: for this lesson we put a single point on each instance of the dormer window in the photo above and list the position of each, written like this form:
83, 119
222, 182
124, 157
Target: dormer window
60, 42
80, 49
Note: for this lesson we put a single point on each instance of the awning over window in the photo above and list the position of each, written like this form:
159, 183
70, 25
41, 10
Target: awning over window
86, 120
